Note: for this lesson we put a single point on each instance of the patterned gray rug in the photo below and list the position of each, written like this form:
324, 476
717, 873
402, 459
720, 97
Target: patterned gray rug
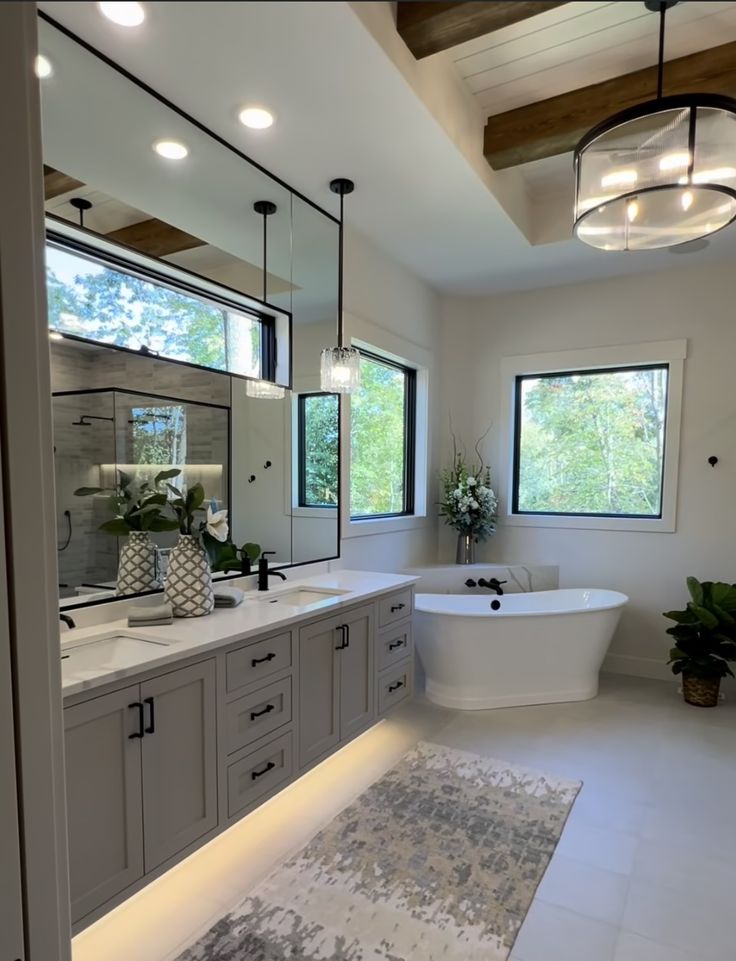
439, 859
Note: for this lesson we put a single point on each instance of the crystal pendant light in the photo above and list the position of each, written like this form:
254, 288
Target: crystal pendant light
265, 389
660, 173
340, 366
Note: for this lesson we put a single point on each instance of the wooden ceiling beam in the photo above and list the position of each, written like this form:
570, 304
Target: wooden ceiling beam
56, 183
427, 28
155, 238
554, 126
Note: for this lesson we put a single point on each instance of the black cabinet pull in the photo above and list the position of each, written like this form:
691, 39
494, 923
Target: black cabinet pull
137, 705
397, 607
394, 644
347, 631
343, 630
260, 660
152, 721
266, 710
256, 774
395, 687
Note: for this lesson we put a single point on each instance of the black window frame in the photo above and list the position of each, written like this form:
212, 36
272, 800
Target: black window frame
550, 375
410, 433
302, 399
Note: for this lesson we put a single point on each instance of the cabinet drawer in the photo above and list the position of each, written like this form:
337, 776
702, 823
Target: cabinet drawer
256, 661
394, 686
394, 646
394, 608
257, 714
258, 774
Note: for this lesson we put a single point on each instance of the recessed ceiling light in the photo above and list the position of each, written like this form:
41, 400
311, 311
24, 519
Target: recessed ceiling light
124, 14
171, 149
43, 67
257, 118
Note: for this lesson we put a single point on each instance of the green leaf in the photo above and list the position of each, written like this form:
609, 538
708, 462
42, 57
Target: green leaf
723, 616
252, 551
125, 480
706, 617
163, 524
166, 475
724, 595
88, 491
116, 526
696, 590
682, 617
195, 498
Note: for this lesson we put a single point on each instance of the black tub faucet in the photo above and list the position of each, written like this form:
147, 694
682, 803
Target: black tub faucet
264, 573
69, 621
493, 584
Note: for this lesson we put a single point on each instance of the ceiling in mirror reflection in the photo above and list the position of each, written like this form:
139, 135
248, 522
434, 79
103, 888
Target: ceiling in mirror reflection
98, 130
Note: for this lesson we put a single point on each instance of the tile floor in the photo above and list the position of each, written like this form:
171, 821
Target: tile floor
645, 870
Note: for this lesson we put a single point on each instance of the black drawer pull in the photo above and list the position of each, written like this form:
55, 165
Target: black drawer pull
395, 687
397, 607
266, 710
138, 705
152, 723
394, 644
260, 660
256, 774
344, 629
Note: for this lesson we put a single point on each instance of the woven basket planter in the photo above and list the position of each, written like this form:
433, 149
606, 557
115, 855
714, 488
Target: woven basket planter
701, 691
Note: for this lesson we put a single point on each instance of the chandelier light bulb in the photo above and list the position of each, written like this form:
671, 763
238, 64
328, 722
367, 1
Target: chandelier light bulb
632, 211
687, 199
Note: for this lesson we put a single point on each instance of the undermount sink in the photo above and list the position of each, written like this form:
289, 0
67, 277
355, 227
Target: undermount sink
302, 597
107, 654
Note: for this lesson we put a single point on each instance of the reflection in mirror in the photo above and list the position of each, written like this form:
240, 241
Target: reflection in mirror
169, 258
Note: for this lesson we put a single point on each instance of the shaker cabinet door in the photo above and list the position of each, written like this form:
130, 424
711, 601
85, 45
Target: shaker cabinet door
356, 674
319, 665
179, 760
103, 787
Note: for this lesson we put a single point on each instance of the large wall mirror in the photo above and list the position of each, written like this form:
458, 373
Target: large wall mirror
186, 323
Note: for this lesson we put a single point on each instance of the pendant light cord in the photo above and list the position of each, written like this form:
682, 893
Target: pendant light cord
340, 335
660, 62
265, 256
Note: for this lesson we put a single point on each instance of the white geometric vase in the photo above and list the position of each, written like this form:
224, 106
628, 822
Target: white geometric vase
188, 586
136, 564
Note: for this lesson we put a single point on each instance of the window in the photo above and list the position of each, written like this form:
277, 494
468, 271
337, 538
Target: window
591, 442
319, 445
92, 300
382, 440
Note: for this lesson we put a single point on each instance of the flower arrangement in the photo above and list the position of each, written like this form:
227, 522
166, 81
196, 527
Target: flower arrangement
469, 503
188, 507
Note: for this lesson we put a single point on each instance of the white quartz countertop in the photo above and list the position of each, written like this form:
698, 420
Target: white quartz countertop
187, 637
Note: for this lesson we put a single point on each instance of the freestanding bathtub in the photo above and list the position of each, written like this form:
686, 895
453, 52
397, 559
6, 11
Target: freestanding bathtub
537, 648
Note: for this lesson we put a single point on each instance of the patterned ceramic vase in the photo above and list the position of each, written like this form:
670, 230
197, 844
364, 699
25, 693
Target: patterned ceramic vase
465, 549
188, 585
137, 564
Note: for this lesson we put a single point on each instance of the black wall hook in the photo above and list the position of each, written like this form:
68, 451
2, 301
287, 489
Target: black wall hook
267, 465
251, 478
713, 460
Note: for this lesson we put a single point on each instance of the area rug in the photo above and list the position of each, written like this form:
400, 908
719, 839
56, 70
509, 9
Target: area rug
439, 859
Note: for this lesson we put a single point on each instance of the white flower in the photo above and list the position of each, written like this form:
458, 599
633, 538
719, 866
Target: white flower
474, 505
216, 525
472, 481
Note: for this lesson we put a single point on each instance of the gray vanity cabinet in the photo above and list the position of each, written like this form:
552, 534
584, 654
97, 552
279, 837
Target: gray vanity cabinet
141, 775
179, 753
335, 682
103, 787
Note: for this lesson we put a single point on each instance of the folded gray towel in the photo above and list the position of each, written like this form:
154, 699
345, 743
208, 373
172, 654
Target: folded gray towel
228, 596
150, 615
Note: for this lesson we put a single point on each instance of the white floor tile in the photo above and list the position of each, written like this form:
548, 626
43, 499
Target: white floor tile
632, 947
550, 933
599, 847
584, 889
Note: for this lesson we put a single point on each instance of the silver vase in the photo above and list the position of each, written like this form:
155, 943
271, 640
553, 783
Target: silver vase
465, 549
136, 564
188, 585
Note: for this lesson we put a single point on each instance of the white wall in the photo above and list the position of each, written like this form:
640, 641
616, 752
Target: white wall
694, 303
392, 309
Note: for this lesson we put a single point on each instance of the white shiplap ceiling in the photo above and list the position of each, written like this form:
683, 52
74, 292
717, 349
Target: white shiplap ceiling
583, 43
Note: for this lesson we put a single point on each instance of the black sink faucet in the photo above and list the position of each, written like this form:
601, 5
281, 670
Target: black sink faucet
493, 584
264, 573
69, 621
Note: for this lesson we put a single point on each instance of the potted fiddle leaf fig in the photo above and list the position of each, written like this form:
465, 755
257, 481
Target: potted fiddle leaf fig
139, 508
705, 640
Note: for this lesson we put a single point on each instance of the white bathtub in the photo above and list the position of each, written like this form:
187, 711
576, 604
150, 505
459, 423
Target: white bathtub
537, 648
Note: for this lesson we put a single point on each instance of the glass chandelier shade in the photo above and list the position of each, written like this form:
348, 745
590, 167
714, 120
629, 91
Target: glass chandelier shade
264, 390
657, 175
340, 370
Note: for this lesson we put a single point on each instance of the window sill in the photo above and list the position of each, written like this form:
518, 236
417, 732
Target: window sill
654, 525
323, 513
383, 525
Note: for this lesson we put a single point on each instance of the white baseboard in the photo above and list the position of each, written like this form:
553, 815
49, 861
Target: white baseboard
637, 666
